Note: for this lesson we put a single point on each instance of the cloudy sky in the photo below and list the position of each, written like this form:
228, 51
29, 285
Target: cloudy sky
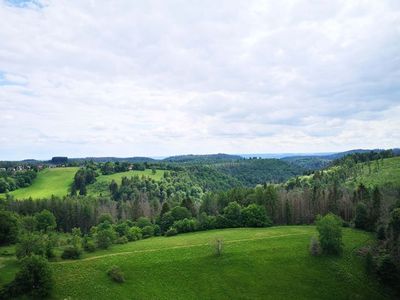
155, 78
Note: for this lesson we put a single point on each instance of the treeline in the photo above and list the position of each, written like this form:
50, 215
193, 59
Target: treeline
354, 158
11, 180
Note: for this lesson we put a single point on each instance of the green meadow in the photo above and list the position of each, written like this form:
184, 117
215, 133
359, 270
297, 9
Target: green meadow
50, 181
265, 263
57, 182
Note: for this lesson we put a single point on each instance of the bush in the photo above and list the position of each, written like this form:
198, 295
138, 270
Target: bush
134, 233
106, 217
218, 247
157, 230
89, 245
330, 233
186, 225
121, 240
122, 229
71, 252
143, 222
171, 232
116, 274
314, 246
33, 279
206, 222
255, 216
105, 237
232, 212
148, 231
166, 221
180, 213
387, 270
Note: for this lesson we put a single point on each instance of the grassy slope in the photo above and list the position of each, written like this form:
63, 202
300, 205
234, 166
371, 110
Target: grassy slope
388, 173
266, 263
55, 181
103, 181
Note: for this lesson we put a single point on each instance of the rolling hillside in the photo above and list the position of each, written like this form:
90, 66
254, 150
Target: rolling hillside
267, 263
384, 172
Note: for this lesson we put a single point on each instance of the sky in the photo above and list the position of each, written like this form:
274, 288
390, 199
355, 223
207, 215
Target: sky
158, 78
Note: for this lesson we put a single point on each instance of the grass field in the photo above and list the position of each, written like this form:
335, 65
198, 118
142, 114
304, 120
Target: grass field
52, 181
57, 182
266, 263
103, 181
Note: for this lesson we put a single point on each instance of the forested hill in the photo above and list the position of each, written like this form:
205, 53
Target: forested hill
206, 158
135, 159
251, 172
318, 162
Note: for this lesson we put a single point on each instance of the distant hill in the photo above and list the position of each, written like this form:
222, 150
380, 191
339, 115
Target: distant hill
206, 158
135, 159
317, 162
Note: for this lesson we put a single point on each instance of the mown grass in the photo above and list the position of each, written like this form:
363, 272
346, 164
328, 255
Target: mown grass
51, 181
266, 263
103, 181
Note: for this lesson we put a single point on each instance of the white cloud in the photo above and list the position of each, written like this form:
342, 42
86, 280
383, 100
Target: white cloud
167, 77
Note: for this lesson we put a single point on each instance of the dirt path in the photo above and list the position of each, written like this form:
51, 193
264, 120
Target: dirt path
175, 247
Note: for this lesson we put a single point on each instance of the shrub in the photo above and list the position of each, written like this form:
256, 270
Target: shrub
330, 233
255, 216
186, 225
180, 213
122, 229
71, 252
33, 279
218, 247
171, 232
89, 245
105, 237
157, 230
121, 240
106, 217
387, 269
166, 221
116, 274
221, 222
314, 246
143, 222
134, 233
232, 212
206, 222
148, 231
